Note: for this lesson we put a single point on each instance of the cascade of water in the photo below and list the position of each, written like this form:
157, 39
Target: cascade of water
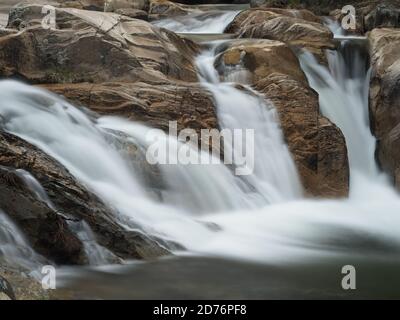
205, 22
343, 89
15, 251
96, 254
35, 187
275, 175
290, 231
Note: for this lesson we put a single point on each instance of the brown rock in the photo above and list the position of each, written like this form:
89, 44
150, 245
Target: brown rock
114, 5
46, 228
90, 46
47, 231
134, 13
165, 9
299, 29
317, 145
188, 104
385, 98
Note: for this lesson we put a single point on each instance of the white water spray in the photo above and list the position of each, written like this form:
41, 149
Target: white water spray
275, 175
15, 250
343, 89
209, 22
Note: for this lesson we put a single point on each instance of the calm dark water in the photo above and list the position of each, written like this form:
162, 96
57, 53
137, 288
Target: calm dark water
215, 278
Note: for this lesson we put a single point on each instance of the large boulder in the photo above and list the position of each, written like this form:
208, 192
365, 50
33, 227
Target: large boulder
93, 47
298, 28
188, 104
318, 146
46, 227
165, 9
385, 98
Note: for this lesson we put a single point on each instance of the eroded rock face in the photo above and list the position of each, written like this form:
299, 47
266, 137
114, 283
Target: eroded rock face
47, 228
47, 231
299, 29
188, 104
318, 146
385, 98
165, 9
90, 46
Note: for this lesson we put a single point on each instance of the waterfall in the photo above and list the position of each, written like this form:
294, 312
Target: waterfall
344, 100
204, 22
343, 88
275, 176
95, 253
209, 210
15, 250
84, 146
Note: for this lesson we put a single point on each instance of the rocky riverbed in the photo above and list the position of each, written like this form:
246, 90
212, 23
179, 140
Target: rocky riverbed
110, 58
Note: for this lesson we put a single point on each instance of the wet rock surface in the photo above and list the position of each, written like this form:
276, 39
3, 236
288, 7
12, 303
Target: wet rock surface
385, 98
299, 29
45, 226
155, 105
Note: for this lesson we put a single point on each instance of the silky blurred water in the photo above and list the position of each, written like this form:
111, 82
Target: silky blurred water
244, 237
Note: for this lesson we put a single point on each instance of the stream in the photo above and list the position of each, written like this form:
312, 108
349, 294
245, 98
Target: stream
270, 241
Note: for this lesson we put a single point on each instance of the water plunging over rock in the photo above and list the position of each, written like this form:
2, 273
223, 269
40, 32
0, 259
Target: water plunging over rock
317, 145
274, 176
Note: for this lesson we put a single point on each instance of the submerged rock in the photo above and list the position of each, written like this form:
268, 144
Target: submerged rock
385, 98
318, 146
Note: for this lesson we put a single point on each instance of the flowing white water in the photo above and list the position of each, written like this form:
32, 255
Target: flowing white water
343, 89
274, 176
79, 143
344, 100
209, 22
35, 187
15, 250
248, 215
95, 253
